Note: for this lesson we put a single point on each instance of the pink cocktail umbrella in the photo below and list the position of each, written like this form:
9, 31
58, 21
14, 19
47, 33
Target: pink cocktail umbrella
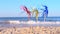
26, 10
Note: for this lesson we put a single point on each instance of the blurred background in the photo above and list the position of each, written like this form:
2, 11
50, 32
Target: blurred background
11, 8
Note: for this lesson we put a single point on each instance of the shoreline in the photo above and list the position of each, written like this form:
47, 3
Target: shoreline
15, 23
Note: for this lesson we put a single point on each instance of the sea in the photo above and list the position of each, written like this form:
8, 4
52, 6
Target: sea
49, 19
31, 18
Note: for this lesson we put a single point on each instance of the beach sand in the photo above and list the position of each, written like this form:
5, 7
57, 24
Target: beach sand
31, 29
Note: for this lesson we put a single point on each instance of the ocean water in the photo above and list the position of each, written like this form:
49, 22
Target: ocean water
54, 19
32, 18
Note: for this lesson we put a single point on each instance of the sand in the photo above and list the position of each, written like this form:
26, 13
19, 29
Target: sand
31, 29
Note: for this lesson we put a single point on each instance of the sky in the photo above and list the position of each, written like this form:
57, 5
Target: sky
11, 8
